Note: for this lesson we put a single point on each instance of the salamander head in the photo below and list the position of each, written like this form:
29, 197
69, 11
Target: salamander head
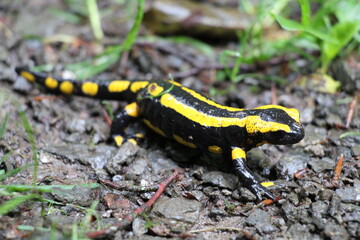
280, 125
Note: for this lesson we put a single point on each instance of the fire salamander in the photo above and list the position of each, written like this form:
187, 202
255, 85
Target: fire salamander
193, 120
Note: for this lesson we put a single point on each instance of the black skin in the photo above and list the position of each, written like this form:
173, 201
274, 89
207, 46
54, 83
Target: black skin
171, 122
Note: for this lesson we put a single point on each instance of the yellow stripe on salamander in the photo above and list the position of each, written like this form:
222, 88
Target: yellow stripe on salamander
253, 123
256, 124
208, 101
183, 142
155, 129
174, 83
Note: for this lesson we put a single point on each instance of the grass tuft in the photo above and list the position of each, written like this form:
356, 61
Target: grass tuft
112, 54
331, 37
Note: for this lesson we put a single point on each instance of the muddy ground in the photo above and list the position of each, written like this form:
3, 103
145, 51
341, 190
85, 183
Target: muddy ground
206, 201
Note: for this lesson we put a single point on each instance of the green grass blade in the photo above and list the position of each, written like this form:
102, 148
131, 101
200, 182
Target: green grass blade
291, 25
131, 37
3, 125
94, 17
5, 157
89, 213
32, 228
349, 134
14, 171
288, 24
343, 32
45, 188
13, 203
108, 109
31, 137
305, 12
26, 228
74, 232
53, 231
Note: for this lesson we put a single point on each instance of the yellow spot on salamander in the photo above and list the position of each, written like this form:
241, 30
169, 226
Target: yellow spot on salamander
253, 123
118, 140
215, 149
155, 129
238, 153
136, 86
139, 135
51, 83
28, 76
132, 109
183, 142
131, 140
66, 87
90, 88
155, 89
268, 184
118, 86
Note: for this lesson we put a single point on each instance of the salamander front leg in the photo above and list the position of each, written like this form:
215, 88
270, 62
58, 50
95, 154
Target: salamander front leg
238, 156
121, 121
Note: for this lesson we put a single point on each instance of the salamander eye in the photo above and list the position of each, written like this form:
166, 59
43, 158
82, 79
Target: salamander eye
279, 134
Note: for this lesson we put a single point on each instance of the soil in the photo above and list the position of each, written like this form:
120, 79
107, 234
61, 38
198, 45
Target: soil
206, 201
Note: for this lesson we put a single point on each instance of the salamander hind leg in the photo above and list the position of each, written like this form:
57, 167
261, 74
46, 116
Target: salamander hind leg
238, 156
121, 121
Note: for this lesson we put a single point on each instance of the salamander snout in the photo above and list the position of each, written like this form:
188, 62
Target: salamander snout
297, 133
281, 137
